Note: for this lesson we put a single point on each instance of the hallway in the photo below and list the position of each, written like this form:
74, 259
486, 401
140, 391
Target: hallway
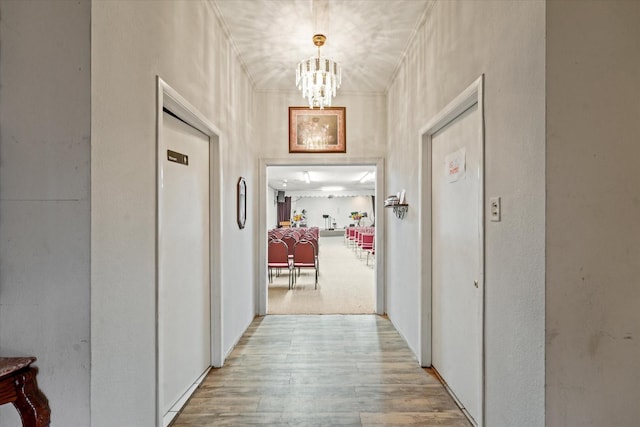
321, 370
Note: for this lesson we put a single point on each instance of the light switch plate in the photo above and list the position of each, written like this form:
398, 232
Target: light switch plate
495, 209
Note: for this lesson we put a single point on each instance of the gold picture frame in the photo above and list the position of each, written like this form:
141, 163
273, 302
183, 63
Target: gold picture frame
317, 130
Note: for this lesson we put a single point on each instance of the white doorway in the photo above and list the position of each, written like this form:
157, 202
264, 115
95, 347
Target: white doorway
266, 202
188, 251
453, 224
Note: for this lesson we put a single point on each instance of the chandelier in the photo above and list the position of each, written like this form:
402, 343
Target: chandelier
318, 77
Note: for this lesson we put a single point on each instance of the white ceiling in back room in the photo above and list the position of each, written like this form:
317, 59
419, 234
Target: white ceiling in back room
323, 181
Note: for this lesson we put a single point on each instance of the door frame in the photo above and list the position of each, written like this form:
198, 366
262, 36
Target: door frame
169, 98
261, 246
473, 94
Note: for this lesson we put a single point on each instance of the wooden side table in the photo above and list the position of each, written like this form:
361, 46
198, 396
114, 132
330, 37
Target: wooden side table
18, 385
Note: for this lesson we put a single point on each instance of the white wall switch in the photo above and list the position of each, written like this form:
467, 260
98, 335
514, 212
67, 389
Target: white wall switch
494, 204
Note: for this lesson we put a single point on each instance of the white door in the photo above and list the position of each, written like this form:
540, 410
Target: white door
184, 314
456, 257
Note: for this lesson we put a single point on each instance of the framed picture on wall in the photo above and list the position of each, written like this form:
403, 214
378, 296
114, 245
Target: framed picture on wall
242, 202
317, 131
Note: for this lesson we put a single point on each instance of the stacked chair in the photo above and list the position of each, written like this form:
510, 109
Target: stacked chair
361, 240
305, 255
301, 248
278, 258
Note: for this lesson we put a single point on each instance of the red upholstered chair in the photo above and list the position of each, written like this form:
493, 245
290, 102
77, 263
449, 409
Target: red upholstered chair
371, 252
353, 237
278, 258
348, 233
290, 239
305, 256
366, 242
315, 231
313, 239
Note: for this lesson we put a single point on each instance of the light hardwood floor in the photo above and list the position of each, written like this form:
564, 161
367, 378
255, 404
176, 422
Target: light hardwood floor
321, 370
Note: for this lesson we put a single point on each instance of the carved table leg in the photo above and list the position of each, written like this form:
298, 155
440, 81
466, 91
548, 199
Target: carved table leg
30, 402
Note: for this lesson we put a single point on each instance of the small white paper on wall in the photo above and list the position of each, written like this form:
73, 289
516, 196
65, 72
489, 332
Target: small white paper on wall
455, 165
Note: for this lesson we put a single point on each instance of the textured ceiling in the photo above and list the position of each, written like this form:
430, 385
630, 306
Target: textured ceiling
368, 38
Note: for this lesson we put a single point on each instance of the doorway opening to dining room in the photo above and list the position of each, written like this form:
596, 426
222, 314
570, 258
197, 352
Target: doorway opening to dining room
337, 209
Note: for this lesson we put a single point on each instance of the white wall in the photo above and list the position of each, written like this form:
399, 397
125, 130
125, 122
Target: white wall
45, 199
593, 212
338, 208
460, 41
132, 42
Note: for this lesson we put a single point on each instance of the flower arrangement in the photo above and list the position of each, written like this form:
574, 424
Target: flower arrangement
298, 218
356, 216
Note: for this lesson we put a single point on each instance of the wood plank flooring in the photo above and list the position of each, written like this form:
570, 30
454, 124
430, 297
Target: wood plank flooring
321, 370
